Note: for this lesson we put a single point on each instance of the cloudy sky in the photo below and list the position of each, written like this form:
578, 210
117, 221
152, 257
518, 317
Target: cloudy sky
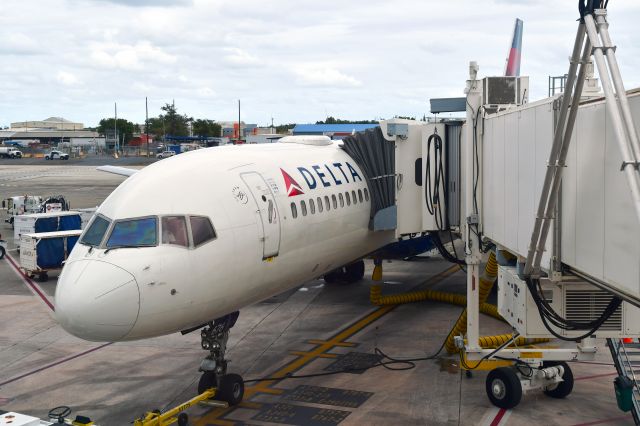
295, 61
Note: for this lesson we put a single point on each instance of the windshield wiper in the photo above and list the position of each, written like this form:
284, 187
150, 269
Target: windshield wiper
123, 246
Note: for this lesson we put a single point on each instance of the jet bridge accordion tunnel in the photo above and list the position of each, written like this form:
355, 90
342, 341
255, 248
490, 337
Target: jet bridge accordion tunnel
413, 171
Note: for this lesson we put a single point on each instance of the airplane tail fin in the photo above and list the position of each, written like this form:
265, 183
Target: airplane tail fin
512, 68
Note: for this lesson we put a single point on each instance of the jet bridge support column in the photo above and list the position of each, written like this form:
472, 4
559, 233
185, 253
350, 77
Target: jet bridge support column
472, 208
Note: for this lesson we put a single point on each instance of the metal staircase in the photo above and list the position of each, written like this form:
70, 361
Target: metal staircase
626, 357
592, 40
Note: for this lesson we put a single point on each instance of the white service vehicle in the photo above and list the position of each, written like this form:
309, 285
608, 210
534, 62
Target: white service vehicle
166, 154
46, 251
21, 204
45, 222
55, 154
10, 152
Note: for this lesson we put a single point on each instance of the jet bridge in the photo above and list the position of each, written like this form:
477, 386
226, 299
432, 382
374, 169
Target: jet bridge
556, 184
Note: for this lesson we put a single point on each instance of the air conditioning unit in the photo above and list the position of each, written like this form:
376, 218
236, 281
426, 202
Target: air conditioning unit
501, 92
573, 300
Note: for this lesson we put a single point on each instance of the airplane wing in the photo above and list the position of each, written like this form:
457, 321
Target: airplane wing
123, 171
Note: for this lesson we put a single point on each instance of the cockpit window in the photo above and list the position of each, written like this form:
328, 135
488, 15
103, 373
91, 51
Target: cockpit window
201, 230
174, 231
94, 234
134, 233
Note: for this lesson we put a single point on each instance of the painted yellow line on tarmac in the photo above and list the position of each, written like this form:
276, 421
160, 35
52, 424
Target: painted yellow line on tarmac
305, 357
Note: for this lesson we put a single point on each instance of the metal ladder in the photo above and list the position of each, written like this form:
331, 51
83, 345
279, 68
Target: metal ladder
626, 357
593, 39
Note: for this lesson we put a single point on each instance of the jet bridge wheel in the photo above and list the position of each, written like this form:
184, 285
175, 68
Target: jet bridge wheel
564, 388
503, 387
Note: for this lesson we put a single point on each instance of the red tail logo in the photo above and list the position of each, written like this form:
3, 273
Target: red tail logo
293, 188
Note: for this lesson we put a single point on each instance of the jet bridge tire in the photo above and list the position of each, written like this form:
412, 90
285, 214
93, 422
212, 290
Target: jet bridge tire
231, 389
503, 387
207, 381
564, 388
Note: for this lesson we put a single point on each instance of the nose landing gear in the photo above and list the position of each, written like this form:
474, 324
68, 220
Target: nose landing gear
230, 387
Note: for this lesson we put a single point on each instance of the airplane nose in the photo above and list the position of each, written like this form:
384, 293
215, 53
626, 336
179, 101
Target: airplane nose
96, 300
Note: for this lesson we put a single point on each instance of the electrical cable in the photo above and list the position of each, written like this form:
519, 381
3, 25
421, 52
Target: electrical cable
551, 318
432, 188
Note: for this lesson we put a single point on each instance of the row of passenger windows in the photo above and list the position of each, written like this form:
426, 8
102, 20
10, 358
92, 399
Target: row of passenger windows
327, 204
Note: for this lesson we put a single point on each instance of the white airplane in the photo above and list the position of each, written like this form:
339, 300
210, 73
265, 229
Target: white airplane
194, 238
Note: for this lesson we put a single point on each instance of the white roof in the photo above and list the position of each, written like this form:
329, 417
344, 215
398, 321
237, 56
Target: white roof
55, 234
52, 214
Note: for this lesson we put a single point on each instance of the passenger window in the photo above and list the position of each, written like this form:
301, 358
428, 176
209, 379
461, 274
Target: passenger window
335, 201
201, 230
341, 199
294, 210
320, 206
93, 235
312, 206
134, 233
366, 194
346, 194
303, 206
327, 203
360, 195
355, 199
174, 231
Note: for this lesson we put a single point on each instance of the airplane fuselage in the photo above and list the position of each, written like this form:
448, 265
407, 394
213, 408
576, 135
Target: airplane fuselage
280, 214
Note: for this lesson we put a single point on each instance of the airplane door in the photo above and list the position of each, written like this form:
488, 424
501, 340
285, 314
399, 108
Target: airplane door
268, 212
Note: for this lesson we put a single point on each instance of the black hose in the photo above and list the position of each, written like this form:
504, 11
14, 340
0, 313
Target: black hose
436, 202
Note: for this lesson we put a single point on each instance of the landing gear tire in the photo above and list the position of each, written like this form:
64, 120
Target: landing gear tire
354, 271
208, 380
564, 388
231, 389
183, 419
347, 274
503, 387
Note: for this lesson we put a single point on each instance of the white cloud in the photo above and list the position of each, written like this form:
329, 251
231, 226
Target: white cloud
67, 79
129, 57
239, 57
18, 43
323, 76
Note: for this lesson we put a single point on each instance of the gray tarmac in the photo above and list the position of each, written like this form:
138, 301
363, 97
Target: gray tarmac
309, 330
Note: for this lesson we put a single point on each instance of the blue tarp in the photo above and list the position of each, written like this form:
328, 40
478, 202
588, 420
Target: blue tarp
46, 224
70, 223
50, 253
71, 243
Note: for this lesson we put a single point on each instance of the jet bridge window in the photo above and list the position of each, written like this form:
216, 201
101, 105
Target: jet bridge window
174, 231
134, 233
94, 234
201, 230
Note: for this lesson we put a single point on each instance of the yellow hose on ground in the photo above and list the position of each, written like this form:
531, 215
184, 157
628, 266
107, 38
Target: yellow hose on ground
460, 328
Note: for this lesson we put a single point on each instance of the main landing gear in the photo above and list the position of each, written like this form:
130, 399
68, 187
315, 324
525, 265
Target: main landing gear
230, 387
349, 274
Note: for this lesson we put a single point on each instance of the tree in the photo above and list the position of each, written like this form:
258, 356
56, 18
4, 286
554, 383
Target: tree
332, 120
284, 128
174, 123
206, 128
125, 127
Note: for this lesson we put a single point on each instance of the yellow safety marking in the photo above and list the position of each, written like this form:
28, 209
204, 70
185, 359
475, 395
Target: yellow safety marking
527, 354
339, 340
320, 342
249, 404
301, 353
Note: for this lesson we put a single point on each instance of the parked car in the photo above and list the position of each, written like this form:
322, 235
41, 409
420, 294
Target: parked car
56, 154
166, 154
